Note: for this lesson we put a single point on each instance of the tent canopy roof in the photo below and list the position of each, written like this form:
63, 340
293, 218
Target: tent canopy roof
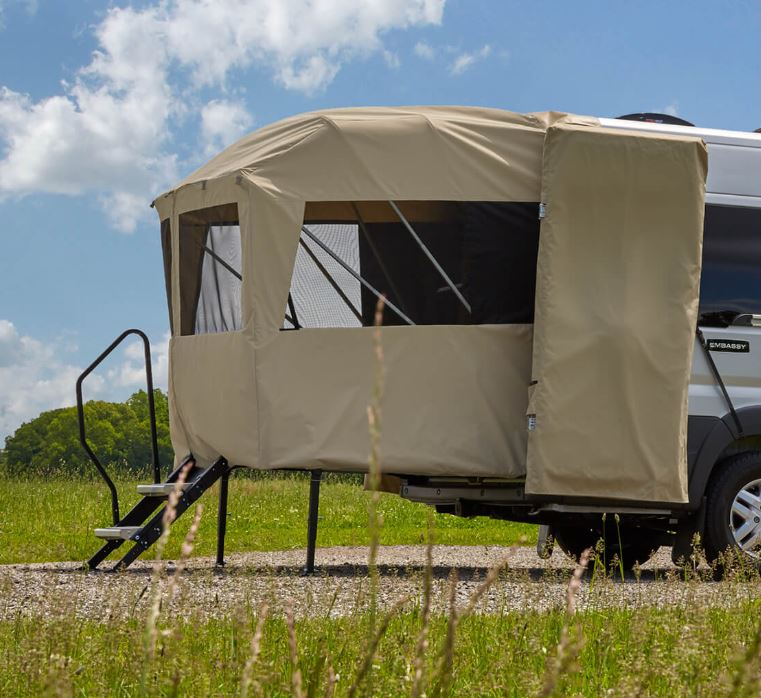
293, 138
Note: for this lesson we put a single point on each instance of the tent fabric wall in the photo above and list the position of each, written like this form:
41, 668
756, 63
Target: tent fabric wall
456, 396
454, 399
464, 384
616, 312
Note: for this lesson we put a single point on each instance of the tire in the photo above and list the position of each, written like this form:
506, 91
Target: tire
738, 481
573, 540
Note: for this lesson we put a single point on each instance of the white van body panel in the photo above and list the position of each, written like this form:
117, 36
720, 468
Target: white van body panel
734, 179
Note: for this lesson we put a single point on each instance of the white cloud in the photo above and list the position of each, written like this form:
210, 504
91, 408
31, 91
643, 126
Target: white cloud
671, 109
308, 75
424, 50
130, 373
466, 60
32, 379
35, 377
303, 42
108, 132
105, 133
222, 123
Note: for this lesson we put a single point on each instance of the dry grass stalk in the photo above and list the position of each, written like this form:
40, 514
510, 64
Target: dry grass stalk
185, 551
170, 513
296, 683
488, 582
744, 675
330, 689
568, 648
247, 678
374, 462
367, 660
446, 656
421, 648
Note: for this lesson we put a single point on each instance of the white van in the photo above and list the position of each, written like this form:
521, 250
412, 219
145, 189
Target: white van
724, 424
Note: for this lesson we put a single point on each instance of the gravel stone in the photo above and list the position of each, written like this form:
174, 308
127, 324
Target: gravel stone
342, 582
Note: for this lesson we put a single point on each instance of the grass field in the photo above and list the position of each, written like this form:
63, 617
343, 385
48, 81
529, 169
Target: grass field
166, 648
665, 652
47, 520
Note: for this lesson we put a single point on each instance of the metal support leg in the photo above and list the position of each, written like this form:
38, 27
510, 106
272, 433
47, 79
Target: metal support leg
314, 506
222, 518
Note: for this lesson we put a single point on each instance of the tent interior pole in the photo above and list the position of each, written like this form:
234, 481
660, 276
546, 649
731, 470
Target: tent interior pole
331, 280
292, 319
219, 259
432, 259
378, 258
351, 271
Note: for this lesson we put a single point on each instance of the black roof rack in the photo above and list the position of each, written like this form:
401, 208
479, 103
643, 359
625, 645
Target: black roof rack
655, 118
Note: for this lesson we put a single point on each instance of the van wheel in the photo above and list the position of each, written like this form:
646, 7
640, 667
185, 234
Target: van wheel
733, 508
573, 540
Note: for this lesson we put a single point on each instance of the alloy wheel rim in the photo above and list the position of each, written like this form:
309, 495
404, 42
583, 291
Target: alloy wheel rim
745, 518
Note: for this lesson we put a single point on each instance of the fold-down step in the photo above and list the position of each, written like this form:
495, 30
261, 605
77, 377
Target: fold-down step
117, 532
162, 489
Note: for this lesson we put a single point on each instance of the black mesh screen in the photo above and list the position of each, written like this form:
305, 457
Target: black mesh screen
395, 265
500, 248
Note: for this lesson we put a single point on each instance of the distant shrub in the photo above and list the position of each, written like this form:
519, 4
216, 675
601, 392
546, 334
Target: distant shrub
119, 433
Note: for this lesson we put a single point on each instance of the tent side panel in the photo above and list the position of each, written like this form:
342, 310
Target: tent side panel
616, 310
454, 399
215, 397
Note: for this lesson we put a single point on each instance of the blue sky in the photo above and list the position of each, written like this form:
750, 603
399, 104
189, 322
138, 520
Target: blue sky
105, 104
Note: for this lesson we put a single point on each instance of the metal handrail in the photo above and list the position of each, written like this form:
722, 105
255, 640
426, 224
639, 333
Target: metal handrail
151, 411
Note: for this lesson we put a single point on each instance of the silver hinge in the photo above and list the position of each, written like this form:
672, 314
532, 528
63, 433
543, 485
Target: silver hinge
542, 211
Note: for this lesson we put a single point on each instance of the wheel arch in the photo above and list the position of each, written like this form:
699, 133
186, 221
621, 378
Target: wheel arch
721, 442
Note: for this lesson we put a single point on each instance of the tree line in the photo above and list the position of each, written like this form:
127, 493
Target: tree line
119, 434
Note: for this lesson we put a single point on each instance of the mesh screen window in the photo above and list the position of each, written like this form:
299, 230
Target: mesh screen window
484, 271
210, 270
219, 299
323, 292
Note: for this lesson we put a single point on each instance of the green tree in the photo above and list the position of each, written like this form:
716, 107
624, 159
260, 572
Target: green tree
119, 433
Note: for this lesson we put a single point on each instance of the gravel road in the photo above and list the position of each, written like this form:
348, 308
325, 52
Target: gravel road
341, 583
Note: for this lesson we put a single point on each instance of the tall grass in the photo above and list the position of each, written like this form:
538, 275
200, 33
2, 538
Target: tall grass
404, 648
685, 650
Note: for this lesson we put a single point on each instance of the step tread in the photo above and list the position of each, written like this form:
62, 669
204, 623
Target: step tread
162, 489
117, 532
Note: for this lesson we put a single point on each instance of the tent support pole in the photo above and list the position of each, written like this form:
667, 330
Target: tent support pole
431, 258
351, 271
314, 506
331, 280
293, 319
222, 517
366, 234
221, 261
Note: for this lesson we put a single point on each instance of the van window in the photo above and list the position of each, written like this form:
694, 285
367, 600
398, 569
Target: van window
731, 276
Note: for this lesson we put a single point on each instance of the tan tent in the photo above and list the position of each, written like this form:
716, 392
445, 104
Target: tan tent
276, 249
